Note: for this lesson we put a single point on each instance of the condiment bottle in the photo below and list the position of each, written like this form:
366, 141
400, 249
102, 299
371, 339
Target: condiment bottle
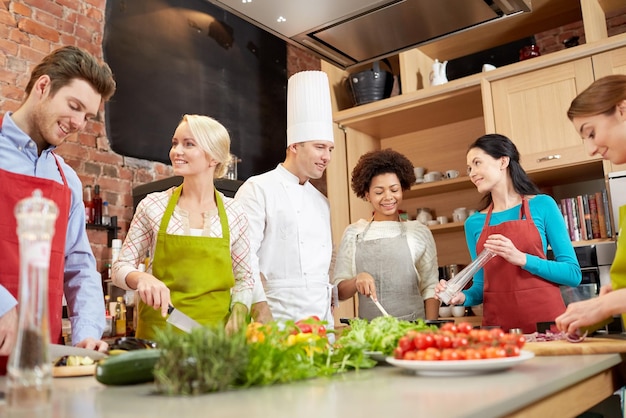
88, 201
29, 368
120, 317
107, 302
106, 218
97, 206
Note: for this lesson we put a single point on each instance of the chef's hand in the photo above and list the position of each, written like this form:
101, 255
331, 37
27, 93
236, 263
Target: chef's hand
93, 344
237, 318
364, 283
458, 299
502, 246
582, 314
8, 331
153, 292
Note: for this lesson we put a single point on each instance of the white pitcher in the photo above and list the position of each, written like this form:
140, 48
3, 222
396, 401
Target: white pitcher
438, 74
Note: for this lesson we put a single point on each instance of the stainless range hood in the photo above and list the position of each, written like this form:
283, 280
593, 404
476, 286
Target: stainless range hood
352, 32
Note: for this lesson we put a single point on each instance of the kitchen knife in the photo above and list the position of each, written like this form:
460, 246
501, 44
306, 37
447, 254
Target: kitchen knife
58, 350
180, 320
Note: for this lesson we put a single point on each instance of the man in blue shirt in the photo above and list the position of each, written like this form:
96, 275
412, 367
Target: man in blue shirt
66, 89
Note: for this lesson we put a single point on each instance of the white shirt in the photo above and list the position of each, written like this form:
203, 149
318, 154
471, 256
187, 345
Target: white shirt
290, 242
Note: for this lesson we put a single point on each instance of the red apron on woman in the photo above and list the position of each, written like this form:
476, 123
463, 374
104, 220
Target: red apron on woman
514, 297
13, 188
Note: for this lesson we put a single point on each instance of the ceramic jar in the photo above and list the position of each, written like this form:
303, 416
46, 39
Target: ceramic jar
424, 215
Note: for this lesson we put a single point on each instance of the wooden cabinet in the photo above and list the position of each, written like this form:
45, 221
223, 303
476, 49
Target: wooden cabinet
530, 108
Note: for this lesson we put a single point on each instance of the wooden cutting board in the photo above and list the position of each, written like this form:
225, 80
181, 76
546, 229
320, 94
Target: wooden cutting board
591, 345
71, 371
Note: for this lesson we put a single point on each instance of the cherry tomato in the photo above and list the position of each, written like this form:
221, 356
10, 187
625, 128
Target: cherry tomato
472, 354
450, 354
405, 344
397, 353
512, 351
424, 340
464, 327
432, 354
496, 333
449, 326
459, 342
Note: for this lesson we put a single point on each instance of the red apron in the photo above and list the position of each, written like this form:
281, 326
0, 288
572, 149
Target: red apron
513, 297
13, 188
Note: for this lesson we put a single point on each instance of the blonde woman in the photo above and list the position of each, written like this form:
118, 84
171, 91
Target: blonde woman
198, 236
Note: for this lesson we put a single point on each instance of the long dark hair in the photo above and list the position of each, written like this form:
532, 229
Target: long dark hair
498, 146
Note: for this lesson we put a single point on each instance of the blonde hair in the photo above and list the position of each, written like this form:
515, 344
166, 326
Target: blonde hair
213, 138
600, 98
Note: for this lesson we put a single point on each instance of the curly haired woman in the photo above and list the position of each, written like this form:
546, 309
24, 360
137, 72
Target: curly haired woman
385, 258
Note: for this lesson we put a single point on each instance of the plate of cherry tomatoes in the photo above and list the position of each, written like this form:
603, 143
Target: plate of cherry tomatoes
459, 349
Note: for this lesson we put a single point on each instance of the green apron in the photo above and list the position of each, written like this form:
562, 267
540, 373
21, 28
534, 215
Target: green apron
618, 268
197, 270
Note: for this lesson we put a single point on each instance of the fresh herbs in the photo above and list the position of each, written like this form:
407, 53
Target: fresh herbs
206, 360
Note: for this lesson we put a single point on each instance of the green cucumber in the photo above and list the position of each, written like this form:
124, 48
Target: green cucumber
130, 368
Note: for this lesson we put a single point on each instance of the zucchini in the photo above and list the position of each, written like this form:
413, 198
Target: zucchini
129, 368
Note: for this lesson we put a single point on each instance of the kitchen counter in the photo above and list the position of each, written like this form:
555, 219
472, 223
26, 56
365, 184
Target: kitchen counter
543, 386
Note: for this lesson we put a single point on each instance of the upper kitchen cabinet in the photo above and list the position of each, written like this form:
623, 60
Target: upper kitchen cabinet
530, 109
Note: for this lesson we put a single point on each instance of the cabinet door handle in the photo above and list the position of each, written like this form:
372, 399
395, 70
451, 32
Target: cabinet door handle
548, 158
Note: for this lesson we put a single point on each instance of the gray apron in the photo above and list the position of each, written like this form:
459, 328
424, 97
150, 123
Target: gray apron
390, 263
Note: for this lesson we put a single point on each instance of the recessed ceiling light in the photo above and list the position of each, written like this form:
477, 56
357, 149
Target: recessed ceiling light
281, 19
246, 1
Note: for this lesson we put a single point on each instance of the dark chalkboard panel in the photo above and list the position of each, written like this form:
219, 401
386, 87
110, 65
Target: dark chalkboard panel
172, 57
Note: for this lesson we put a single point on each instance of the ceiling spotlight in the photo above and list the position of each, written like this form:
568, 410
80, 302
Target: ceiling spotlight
246, 1
281, 19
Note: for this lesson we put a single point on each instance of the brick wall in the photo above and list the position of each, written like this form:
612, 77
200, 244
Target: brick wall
30, 29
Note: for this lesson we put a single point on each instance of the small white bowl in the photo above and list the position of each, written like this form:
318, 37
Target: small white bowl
458, 311
445, 311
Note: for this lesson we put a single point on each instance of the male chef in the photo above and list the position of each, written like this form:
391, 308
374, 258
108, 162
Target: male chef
290, 234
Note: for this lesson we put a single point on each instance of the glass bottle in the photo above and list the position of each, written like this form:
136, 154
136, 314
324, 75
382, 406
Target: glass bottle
106, 218
29, 369
97, 206
120, 317
88, 201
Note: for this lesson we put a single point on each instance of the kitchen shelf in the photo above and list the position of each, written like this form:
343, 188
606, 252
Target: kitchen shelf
584, 243
111, 230
449, 227
452, 102
441, 186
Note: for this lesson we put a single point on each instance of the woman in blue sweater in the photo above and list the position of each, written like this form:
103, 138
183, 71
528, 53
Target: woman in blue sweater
520, 287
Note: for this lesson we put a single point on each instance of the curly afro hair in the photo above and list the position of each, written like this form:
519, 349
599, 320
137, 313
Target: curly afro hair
375, 163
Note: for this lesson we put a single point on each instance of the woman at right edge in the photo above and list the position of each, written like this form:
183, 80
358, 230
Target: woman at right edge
599, 116
519, 287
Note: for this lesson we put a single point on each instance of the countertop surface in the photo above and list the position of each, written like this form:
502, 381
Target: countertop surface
384, 391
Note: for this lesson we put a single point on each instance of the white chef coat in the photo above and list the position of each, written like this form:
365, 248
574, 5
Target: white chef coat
290, 234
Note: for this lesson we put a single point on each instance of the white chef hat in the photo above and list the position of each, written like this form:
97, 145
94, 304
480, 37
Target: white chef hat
309, 113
